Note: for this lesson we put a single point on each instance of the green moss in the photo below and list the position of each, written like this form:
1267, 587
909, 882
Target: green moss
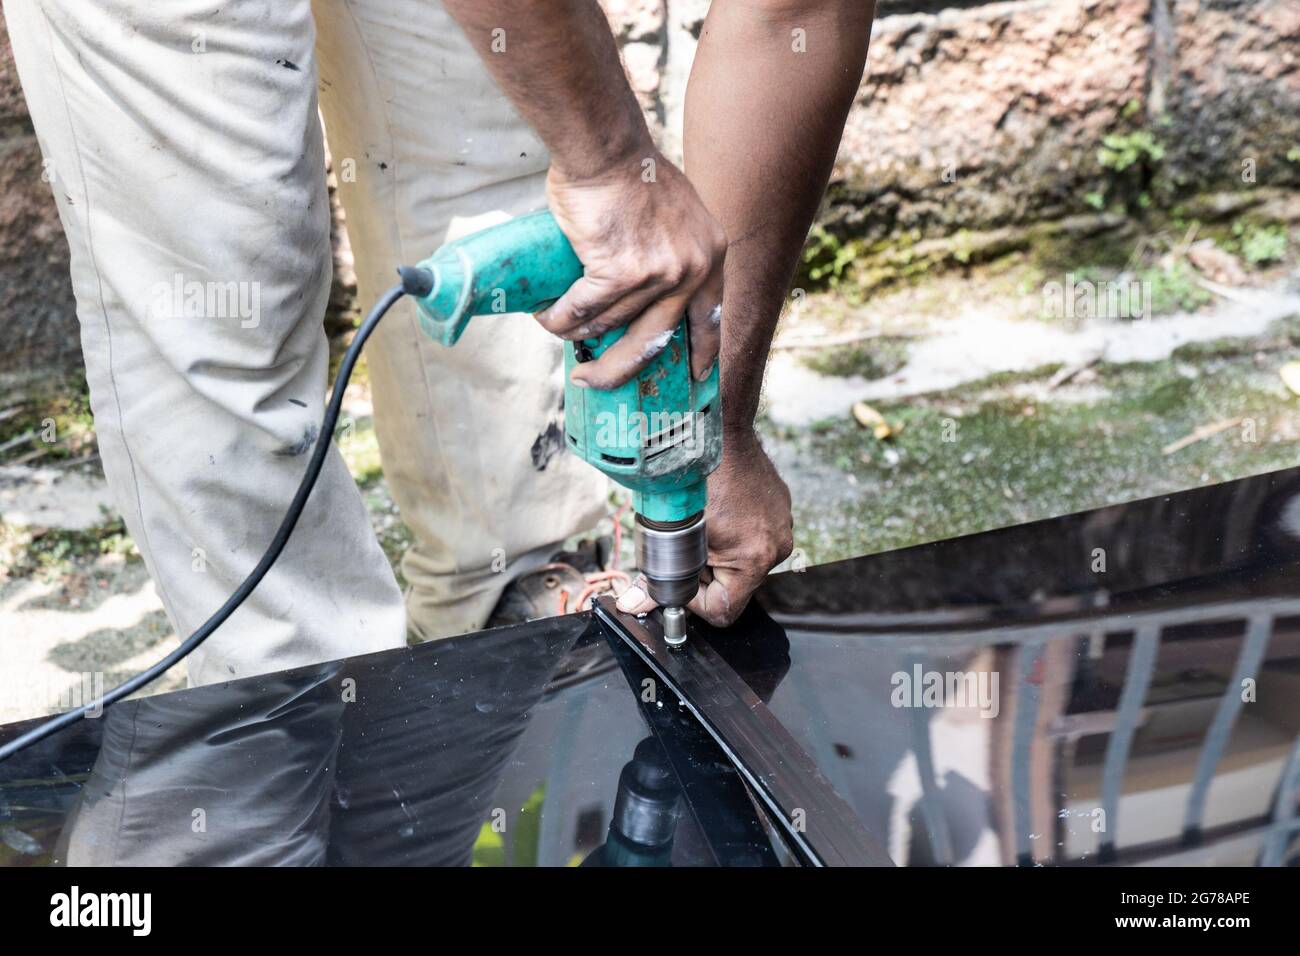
855, 268
47, 553
1060, 253
47, 422
1198, 352
873, 359
1014, 461
1287, 329
360, 448
999, 381
826, 259
1174, 289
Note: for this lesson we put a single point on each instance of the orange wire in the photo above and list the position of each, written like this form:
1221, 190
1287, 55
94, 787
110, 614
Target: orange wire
618, 536
599, 581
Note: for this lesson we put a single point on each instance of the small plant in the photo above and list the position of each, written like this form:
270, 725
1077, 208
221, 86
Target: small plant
963, 249
1132, 158
826, 257
1174, 289
1121, 151
52, 420
1261, 245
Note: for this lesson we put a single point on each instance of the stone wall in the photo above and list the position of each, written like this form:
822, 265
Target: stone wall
980, 115
972, 115
1229, 73
36, 309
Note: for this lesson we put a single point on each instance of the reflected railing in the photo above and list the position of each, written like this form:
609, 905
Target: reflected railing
1140, 635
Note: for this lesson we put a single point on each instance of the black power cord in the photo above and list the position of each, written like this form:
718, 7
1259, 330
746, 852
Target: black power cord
415, 281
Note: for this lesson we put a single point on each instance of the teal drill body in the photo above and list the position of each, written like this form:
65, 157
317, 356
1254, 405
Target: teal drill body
658, 434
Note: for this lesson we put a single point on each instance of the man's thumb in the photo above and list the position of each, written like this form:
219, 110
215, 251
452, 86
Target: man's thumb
713, 601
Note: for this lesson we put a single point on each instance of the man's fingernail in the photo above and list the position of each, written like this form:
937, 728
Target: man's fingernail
704, 376
579, 382
631, 599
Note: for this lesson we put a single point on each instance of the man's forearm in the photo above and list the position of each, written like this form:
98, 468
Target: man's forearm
557, 62
649, 248
762, 126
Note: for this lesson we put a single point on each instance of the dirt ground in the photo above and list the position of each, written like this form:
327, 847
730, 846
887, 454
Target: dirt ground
953, 404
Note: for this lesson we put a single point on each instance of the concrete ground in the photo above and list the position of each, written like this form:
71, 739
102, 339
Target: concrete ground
997, 415
995, 412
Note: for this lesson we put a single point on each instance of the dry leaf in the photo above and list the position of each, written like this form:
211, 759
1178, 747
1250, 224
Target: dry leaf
1215, 263
1290, 373
1202, 433
868, 417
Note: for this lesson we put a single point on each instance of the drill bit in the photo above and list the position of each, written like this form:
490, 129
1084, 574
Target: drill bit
675, 626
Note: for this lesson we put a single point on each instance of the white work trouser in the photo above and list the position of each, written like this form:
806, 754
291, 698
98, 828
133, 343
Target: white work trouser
187, 161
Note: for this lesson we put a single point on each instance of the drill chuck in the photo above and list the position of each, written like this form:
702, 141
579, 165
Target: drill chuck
671, 555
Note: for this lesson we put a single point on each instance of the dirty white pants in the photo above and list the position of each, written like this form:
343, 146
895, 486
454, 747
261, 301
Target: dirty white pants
186, 157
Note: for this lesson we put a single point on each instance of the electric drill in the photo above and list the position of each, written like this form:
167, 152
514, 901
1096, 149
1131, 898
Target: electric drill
659, 434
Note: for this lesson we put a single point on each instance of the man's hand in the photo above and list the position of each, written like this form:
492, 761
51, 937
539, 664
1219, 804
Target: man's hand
750, 531
651, 254
651, 251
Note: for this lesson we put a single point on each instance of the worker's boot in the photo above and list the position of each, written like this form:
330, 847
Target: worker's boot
552, 589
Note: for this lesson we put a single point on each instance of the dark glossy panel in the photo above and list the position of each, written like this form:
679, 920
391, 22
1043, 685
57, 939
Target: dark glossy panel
506, 747
712, 787
1140, 672
818, 826
1134, 679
